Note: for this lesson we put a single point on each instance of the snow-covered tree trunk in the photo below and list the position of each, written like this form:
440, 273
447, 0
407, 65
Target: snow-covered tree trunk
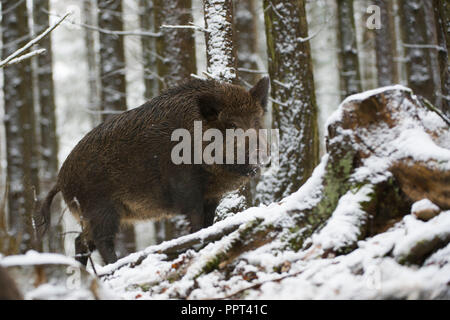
350, 78
92, 61
113, 84
19, 125
175, 47
220, 47
443, 40
47, 119
385, 47
147, 23
294, 109
246, 40
420, 49
112, 58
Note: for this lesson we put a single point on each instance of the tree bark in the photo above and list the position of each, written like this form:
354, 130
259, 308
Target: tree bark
419, 47
443, 40
385, 48
112, 58
294, 109
175, 47
147, 22
220, 46
20, 127
246, 40
92, 61
350, 78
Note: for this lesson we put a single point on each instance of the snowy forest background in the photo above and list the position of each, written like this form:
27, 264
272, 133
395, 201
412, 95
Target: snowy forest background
111, 55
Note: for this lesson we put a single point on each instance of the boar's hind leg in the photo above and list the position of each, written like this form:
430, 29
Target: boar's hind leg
104, 224
83, 249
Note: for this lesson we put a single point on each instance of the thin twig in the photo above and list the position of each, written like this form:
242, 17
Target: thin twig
26, 56
32, 42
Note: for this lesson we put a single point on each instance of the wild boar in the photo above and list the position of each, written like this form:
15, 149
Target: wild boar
8, 288
122, 170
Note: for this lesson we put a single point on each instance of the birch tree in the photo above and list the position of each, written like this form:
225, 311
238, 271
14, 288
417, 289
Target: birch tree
22, 176
294, 109
350, 78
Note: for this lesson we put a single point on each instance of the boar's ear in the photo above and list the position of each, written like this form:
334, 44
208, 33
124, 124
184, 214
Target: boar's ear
210, 106
260, 92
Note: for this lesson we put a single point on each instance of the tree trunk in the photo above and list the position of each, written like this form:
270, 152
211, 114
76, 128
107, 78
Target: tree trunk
350, 78
385, 48
246, 41
443, 39
92, 61
19, 125
49, 140
147, 22
175, 47
419, 47
220, 47
113, 83
294, 109
112, 59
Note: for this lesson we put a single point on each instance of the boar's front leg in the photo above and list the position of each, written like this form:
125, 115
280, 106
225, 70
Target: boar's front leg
104, 224
186, 191
83, 249
209, 210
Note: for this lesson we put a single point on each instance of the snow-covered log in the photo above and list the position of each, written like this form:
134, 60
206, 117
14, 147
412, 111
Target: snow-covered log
348, 232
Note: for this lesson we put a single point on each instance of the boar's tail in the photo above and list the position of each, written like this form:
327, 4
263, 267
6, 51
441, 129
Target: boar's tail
42, 218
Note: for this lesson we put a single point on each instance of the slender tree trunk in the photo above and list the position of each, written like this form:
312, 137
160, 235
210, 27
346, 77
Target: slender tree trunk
147, 22
92, 61
49, 140
385, 48
113, 84
350, 78
112, 58
443, 39
175, 47
220, 48
294, 109
246, 40
19, 125
418, 47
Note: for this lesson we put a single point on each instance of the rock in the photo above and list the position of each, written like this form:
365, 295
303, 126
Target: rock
425, 209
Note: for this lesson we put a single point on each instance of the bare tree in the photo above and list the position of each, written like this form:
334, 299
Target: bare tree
175, 47
246, 40
20, 128
420, 45
112, 58
385, 47
442, 16
350, 78
294, 109
147, 23
92, 60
